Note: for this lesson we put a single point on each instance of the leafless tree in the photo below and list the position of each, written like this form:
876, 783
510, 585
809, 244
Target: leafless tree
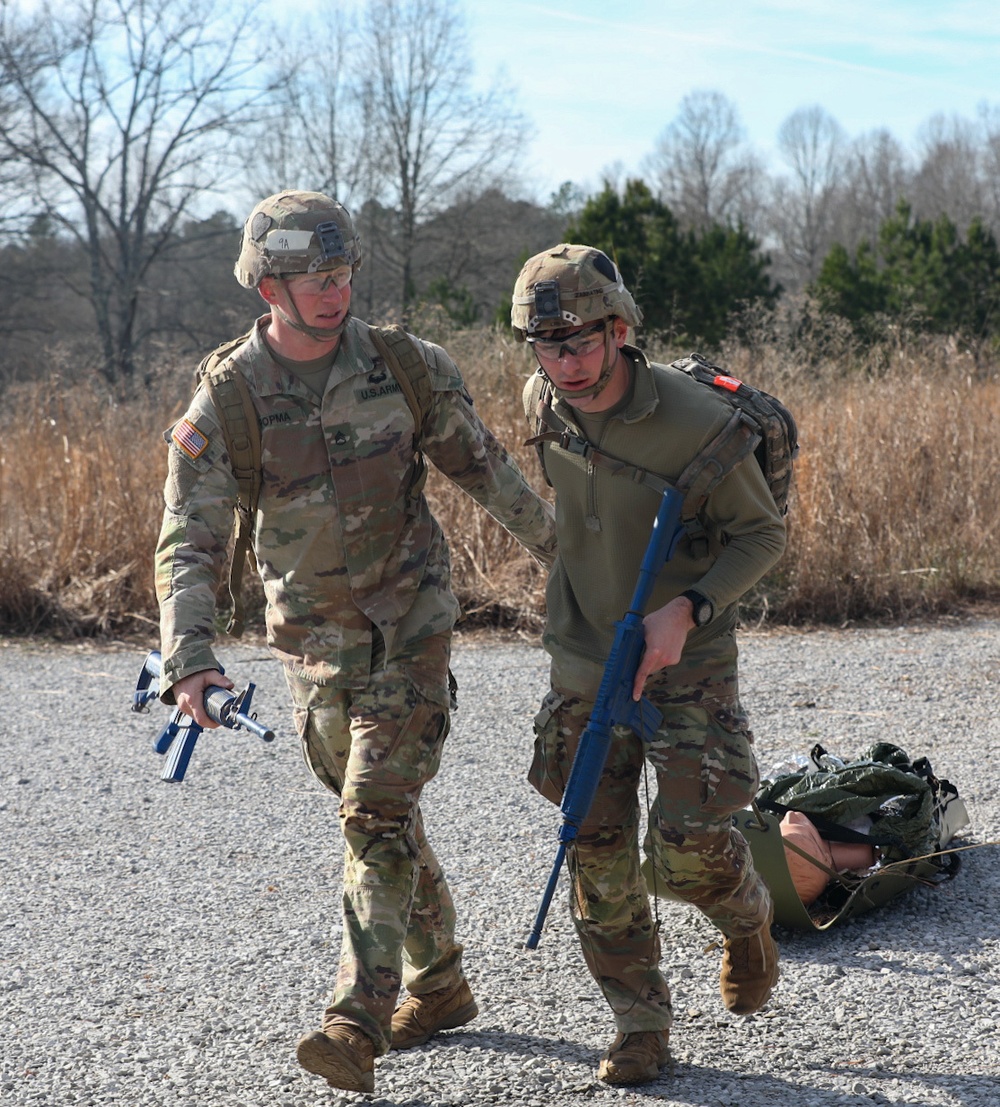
701, 165
123, 114
440, 137
948, 180
317, 132
16, 210
813, 145
876, 178
477, 246
989, 122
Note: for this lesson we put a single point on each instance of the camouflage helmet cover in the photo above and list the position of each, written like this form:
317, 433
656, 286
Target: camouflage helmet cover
588, 285
296, 232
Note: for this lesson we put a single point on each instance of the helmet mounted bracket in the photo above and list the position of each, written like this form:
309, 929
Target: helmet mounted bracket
331, 241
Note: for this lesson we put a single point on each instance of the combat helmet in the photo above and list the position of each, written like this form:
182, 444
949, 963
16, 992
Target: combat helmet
568, 286
296, 232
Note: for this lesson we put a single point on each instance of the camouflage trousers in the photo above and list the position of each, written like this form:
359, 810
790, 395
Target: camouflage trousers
376, 749
705, 771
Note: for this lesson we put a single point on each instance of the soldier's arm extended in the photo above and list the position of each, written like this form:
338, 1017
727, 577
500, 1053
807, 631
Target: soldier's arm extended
742, 509
190, 558
459, 444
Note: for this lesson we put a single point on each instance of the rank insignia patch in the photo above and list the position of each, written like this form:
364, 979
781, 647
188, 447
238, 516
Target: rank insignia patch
188, 438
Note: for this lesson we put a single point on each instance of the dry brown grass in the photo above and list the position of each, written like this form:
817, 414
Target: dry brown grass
897, 504
895, 514
80, 497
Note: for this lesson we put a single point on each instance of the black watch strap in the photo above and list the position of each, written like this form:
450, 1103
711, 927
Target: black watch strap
702, 609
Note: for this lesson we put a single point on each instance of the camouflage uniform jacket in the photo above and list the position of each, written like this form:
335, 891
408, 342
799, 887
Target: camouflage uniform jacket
342, 542
604, 521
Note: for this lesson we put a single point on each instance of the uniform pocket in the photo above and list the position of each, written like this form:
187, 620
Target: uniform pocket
729, 774
396, 735
547, 774
320, 760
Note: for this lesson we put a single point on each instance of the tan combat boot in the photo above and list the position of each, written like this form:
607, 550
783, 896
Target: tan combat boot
419, 1017
635, 1058
342, 1054
749, 970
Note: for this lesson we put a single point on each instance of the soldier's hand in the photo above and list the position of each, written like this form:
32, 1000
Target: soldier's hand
189, 694
666, 631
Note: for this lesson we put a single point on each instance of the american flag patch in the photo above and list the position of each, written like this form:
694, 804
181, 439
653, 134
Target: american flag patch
188, 438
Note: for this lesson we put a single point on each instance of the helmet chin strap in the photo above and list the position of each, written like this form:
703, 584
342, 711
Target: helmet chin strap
603, 380
295, 320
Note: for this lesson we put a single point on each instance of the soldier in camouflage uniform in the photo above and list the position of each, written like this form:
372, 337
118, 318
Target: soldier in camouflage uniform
359, 607
573, 309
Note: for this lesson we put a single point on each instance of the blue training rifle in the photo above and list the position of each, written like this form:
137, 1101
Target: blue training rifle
614, 705
181, 732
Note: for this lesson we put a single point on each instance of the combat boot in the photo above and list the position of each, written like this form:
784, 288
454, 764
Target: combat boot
749, 970
635, 1058
342, 1054
417, 1018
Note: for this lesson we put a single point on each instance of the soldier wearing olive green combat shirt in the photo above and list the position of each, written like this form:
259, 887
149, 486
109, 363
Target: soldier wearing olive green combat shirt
610, 421
359, 607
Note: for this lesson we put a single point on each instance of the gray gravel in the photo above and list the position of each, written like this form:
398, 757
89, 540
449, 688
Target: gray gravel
166, 944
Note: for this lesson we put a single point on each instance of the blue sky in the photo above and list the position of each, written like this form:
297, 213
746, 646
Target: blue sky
599, 84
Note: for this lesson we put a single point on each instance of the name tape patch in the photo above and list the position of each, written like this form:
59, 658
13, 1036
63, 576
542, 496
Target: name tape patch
393, 388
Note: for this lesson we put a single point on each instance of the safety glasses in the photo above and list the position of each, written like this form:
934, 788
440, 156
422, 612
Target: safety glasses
576, 345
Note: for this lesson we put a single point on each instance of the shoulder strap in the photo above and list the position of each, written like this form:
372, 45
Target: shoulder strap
778, 443
228, 391
569, 439
403, 357
537, 405
735, 442
406, 363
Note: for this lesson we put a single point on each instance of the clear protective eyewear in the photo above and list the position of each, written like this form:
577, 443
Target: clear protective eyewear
317, 283
577, 345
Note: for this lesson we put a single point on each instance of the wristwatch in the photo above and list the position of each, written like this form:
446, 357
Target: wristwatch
702, 609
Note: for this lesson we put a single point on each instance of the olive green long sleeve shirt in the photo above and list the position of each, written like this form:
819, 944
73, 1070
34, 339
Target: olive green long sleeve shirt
604, 521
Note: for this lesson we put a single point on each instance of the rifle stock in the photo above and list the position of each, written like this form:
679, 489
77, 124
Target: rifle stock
614, 705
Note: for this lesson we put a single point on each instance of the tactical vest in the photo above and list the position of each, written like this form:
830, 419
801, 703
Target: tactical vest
227, 388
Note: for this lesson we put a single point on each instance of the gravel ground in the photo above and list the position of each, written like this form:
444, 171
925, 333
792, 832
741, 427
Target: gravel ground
167, 944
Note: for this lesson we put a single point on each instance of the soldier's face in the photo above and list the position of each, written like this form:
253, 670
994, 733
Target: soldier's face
574, 364
324, 298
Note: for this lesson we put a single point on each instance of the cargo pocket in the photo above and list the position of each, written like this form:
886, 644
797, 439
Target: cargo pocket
547, 774
315, 753
729, 774
412, 756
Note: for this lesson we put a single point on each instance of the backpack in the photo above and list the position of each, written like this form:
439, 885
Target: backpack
880, 800
760, 425
228, 391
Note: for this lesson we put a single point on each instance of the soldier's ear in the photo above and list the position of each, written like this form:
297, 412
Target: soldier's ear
268, 290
